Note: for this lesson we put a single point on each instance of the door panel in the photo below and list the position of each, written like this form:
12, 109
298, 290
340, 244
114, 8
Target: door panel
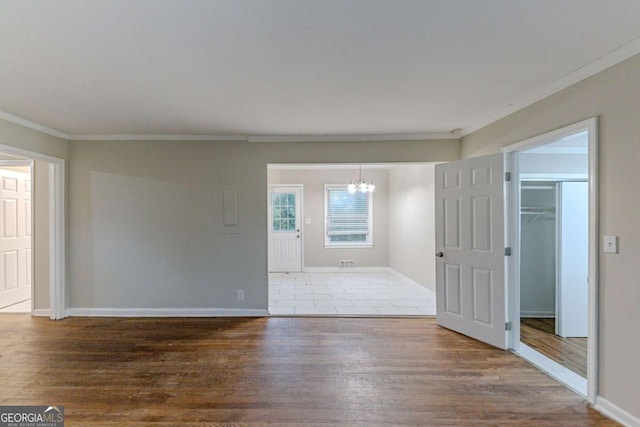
470, 269
15, 237
285, 234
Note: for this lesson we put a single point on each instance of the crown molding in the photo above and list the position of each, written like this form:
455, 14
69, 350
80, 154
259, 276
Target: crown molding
159, 137
354, 138
600, 64
32, 125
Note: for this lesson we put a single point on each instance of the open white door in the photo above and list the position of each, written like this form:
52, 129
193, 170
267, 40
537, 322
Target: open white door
470, 246
285, 247
15, 237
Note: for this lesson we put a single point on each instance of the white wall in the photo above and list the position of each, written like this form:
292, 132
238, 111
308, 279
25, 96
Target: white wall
538, 255
313, 181
612, 96
553, 163
412, 222
145, 218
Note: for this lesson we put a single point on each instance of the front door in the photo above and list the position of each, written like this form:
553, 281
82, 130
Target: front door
285, 242
470, 248
15, 237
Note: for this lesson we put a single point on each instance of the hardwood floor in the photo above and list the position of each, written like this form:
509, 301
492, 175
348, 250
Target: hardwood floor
312, 371
539, 334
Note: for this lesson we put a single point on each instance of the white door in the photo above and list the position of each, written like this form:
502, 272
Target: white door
15, 237
285, 237
470, 248
573, 259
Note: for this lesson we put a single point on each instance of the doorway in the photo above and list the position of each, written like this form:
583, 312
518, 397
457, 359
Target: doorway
479, 209
16, 265
553, 273
364, 253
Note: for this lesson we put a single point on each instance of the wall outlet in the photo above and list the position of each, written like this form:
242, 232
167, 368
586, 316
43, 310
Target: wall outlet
240, 295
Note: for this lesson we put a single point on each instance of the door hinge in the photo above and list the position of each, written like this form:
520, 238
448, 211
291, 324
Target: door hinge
507, 251
507, 326
507, 176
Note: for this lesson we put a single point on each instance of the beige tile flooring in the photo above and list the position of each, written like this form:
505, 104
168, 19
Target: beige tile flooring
348, 294
21, 307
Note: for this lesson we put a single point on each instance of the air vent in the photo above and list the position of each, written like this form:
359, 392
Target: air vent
347, 263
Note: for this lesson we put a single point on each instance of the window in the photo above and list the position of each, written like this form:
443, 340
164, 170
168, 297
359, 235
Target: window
348, 217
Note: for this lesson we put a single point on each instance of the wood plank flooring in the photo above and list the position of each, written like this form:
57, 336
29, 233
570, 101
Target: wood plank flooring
311, 371
539, 334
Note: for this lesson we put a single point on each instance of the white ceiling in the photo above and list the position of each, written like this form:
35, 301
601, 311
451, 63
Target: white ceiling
297, 67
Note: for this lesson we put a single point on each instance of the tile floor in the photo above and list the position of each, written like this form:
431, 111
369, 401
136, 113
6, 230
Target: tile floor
21, 307
348, 294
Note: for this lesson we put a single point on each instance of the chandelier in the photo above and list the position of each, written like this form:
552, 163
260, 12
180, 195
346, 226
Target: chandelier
360, 184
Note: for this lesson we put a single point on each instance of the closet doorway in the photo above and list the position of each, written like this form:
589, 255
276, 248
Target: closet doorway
553, 270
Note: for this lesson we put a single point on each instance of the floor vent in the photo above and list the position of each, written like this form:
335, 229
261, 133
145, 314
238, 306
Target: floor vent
347, 263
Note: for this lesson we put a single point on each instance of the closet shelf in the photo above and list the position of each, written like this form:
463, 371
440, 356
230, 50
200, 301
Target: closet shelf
537, 211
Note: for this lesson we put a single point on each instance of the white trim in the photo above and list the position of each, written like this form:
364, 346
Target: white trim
41, 312
594, 239
608, 60
615, 412
591, 125
347, 270
56, 213
354, 138
555, 370
17, 162
554, 177
552, 136
159, 137
32, 125
166, 312
57, 263
538, 314
559, 150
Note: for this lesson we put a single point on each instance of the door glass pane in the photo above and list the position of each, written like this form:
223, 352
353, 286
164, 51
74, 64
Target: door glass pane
283, 212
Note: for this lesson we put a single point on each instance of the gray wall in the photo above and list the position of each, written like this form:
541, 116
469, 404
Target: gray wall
613, 96
412, 222
145, 218
315, 254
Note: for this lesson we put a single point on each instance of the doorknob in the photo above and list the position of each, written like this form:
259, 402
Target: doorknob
439, 254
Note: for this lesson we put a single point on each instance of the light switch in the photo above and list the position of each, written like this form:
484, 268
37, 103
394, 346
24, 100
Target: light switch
307, 221
611, 244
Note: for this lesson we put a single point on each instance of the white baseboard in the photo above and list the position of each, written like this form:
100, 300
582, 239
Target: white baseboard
166, 312
615, 412
347, 270
41, 312
540, 314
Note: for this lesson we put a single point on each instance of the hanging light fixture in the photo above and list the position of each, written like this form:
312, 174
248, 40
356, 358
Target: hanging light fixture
360, 184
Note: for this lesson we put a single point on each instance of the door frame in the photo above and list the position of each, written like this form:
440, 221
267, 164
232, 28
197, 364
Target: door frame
56, 214
300, 221
513, 224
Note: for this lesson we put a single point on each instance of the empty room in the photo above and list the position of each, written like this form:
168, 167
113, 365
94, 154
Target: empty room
319, 212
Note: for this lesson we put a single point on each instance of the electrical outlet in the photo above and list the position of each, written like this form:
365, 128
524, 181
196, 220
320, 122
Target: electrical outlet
240, 294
